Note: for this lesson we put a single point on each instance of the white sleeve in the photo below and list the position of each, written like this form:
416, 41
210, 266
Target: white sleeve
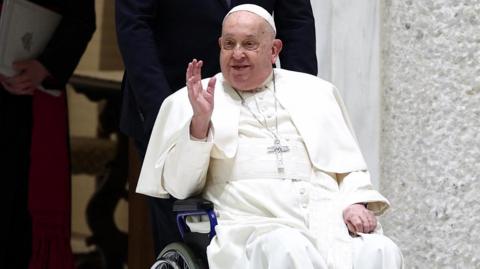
356, 187
186, 165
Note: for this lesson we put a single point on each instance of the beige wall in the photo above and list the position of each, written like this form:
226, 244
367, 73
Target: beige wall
101, 54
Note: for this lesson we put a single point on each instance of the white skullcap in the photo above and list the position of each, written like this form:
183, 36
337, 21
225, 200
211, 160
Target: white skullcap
258, 10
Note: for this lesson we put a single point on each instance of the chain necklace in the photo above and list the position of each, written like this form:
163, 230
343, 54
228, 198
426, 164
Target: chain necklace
277, 146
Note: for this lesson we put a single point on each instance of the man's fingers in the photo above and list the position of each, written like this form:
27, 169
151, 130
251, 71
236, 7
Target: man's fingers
360, 218
188, 74
191, 80
197, 71
20, 65
19, 79
211, 85
351, 227
22, 87
7, 87
365, 221
192, 88
201, 99
18, 90
191, 70
194, 67
372, 222
28, 91
358, 223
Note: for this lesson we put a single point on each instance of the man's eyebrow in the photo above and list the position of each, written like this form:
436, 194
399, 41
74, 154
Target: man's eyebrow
251, 36
231, 35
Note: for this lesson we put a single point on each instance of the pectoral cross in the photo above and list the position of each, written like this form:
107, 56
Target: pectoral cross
278, 149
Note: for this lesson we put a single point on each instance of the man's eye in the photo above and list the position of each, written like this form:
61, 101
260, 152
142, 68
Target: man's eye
250, 45
228, 45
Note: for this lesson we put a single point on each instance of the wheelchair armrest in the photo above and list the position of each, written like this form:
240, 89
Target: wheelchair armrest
194, 207
192, 204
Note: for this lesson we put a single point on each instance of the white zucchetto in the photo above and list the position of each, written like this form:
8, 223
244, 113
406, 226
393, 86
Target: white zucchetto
258, 10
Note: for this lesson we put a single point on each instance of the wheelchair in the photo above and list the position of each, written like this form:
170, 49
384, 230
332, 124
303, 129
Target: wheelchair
191, 253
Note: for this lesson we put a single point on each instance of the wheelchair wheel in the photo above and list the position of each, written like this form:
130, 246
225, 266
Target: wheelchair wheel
178, 256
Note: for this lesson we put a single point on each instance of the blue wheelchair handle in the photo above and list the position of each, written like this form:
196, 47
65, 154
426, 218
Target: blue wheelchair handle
182, 224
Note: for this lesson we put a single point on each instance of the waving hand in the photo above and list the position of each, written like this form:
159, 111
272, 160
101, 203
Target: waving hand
201, 99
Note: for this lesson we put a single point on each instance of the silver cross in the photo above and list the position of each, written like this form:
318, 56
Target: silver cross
278, 149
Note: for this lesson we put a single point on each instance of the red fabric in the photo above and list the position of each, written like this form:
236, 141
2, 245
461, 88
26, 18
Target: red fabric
49, 186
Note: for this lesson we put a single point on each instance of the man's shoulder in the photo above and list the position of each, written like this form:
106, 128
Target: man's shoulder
179, 94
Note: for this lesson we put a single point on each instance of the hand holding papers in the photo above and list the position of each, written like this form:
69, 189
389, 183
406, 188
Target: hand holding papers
25, 30
30, 77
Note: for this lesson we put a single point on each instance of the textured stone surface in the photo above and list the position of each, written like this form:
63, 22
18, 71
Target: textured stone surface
431, 130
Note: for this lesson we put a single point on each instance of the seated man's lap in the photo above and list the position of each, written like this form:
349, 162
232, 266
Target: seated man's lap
283, 248
376, 251
290, 248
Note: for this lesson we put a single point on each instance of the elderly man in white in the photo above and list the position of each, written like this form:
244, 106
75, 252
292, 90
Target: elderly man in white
275, 153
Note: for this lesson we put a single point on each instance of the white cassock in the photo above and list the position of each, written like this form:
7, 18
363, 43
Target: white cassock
271, 217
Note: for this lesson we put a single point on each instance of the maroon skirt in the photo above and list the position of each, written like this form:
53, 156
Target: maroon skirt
50, 183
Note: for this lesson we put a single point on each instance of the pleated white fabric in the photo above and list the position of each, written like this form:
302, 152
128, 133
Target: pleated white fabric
289, 219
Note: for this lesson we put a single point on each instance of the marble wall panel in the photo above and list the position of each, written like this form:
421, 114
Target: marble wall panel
431, 130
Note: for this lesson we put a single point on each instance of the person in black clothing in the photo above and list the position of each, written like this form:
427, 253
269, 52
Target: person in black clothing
51, 69
157, 39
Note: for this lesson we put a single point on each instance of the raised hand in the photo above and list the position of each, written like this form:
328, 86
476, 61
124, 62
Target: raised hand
201, 99
30, 76
359, 219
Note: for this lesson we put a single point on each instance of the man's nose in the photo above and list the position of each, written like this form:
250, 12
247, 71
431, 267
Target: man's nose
238, 52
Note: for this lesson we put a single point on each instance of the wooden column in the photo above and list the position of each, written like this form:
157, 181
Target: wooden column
140, 242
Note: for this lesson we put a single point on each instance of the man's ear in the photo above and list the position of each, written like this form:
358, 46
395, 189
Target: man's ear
276, 48
220, 42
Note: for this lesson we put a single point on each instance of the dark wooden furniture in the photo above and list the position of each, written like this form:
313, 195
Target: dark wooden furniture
109, 157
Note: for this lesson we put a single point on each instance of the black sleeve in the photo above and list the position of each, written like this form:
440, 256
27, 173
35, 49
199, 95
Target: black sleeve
296, 28
70, 39
136, 34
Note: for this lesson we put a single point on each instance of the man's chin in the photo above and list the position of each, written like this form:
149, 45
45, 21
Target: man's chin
239, 81
241, 85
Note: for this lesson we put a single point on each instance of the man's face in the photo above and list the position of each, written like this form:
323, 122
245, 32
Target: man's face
247, 50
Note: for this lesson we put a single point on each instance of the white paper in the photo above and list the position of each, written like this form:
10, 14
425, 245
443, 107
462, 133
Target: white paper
52, 92
25, 29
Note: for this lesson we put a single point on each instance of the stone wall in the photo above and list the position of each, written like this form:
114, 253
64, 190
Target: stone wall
430, 141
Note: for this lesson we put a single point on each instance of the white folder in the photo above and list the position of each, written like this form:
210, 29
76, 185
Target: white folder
25, 29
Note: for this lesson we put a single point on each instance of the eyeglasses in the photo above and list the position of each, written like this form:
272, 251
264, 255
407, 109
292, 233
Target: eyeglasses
247, 45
